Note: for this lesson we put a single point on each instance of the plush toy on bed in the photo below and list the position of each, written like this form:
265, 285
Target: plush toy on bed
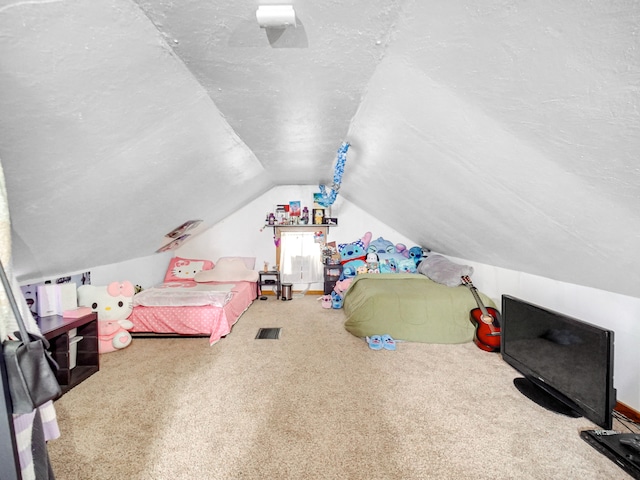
373, 263
113, 304
407, 266
353, 255
416, 253
385, 249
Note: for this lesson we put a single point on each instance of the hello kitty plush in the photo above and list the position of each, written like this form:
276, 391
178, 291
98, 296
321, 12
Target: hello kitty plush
113, 304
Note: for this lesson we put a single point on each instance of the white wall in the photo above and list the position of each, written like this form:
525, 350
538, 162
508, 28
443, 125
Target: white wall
144, 271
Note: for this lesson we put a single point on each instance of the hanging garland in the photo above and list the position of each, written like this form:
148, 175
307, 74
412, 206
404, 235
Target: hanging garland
328, 197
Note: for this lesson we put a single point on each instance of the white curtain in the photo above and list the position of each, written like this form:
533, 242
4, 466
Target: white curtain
300, 258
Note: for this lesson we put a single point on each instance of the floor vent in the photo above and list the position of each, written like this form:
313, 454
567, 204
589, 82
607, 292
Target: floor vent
268, 333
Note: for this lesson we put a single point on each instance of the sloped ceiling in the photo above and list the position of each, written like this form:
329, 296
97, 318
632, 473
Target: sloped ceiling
505, 132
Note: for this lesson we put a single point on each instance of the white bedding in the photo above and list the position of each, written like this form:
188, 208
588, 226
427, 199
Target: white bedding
181, 294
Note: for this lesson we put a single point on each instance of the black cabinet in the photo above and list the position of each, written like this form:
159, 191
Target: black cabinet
331, 276
79, 360
270, 279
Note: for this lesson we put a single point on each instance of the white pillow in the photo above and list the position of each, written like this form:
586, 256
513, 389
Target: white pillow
228, 269
250, 262
442, 270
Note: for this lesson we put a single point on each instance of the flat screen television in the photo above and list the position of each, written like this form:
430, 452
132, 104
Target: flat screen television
567, 363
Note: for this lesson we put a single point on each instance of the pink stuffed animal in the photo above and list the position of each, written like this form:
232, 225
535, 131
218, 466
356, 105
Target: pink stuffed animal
113, 304
342, 285
113, 335
326, 301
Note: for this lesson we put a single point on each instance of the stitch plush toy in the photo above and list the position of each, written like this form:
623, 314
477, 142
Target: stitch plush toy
353, 255
416, 253
113, 304
336, 300
385, 249
407, 266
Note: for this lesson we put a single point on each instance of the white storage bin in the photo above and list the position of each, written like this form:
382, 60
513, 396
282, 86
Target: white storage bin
73, 332
73, 350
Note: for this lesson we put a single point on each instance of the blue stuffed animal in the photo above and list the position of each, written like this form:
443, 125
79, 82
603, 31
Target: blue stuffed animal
381, 247
353, 256
388, 253
416, 254
336, 300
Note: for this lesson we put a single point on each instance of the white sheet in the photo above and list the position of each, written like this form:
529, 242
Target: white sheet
181, 294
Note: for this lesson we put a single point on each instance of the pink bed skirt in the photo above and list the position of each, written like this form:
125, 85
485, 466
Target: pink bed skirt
204, 320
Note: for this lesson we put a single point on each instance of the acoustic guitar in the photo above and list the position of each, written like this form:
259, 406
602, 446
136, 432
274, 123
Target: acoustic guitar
486, 321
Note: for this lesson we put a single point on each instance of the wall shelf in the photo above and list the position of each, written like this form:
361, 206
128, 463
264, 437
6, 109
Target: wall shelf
310, 226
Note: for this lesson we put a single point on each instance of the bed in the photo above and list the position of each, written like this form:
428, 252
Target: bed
197, 298
410, 307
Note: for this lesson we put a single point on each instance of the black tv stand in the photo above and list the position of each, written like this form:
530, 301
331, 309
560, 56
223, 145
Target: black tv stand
543, 398
609, 444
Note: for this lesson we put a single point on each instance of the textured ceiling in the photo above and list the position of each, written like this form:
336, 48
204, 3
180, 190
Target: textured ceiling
509, 130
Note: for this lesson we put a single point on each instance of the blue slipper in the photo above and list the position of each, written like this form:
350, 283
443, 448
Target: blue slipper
375, 342
388, 343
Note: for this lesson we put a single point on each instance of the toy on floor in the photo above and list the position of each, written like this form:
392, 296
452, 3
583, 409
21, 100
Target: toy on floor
326, 301
113, 304
336, 300
337, 295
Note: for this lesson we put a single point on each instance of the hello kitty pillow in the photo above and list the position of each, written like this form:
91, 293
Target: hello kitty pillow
181, 269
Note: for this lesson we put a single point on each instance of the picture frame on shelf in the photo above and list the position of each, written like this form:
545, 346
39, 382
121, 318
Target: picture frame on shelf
318, 216
295, 208
281, 214
331, 221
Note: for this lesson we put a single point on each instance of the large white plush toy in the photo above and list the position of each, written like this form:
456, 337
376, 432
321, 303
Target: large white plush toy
113, 304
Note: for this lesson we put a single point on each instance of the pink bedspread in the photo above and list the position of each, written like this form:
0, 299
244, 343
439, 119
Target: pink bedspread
195, 320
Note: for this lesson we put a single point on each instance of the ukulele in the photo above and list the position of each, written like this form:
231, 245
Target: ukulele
486, 321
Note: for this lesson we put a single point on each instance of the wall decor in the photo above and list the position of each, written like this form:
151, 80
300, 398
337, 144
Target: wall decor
188, 225
294, 209
328, 196
175, 243
318, 216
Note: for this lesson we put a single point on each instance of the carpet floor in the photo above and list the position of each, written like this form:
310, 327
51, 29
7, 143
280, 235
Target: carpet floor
315, 404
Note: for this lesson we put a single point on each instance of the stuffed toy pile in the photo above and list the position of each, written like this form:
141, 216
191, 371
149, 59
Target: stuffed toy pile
367, 256
113, 304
